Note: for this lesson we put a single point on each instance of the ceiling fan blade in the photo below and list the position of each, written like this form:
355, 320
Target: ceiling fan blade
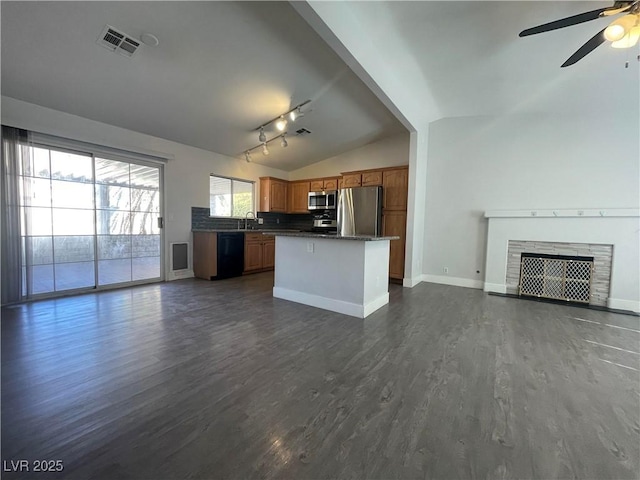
587, 48
565, 22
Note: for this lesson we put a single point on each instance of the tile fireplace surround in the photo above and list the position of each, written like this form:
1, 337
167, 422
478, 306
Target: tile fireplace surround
612, 234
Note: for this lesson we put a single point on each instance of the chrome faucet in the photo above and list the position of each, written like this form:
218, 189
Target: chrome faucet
246, 215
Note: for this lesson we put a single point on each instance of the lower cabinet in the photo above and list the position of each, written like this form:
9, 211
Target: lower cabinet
395, 223
269, 253
259, 252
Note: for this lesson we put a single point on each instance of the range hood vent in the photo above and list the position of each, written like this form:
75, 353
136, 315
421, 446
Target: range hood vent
118, 42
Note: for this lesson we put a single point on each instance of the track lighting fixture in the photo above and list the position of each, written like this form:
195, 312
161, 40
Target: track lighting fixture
264, 146
281, 121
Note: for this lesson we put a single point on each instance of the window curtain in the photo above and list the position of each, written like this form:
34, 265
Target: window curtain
15, 152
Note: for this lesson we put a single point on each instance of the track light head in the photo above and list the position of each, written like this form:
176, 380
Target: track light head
265, 150
247, 156
262, 137
281, 124
283, 141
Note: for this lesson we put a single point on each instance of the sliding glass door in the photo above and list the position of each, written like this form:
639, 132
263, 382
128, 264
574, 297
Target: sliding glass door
127, 211
88, 222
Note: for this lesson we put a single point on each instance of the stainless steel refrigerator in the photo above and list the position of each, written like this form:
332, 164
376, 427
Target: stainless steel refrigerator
360, 211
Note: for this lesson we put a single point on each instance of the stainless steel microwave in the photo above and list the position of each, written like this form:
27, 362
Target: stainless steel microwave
327, 200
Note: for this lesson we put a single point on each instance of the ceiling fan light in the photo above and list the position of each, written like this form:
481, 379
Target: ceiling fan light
629, 40
281, 123
620, 27
613, 33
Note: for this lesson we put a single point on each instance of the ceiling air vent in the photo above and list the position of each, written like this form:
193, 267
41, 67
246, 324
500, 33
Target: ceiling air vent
303, 131
117, 41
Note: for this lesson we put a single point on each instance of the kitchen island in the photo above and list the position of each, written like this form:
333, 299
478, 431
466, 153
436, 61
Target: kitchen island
344, 274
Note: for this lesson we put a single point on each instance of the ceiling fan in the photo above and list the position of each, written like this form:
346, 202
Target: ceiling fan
623, 32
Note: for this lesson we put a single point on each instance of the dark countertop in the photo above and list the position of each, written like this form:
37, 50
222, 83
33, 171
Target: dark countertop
361, 238
242, 230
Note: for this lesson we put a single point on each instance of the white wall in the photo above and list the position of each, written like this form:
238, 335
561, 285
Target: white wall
519, 162
186, 175
388, 152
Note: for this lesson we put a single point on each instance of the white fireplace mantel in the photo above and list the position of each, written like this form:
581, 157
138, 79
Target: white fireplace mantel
617, 227
564, 213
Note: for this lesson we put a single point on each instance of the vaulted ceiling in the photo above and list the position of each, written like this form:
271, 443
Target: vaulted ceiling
223, 68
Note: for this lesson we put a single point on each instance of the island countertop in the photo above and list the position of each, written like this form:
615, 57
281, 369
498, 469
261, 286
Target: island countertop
241, 230
361, 238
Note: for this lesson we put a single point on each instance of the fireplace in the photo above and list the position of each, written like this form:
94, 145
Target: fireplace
610, 236
556, 277
554, 266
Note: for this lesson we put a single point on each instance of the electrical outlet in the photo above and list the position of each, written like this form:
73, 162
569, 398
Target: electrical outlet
260, 221
445, 270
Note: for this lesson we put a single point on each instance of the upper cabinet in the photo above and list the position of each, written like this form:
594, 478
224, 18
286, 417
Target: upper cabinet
273, 195
298, 197
351, 180
370, 179
323, 184
395, 183
277, 195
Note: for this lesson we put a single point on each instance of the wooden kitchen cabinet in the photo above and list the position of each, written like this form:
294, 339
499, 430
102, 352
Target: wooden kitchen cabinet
269, 253
252, 251
367, 178
316, 185
394, 222
323, 184
395, 184
259, 252
205, 254
273, 194
331, 183
298, 197
351, 180
370, 179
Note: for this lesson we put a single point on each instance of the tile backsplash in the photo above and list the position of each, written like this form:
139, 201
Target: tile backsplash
200, 220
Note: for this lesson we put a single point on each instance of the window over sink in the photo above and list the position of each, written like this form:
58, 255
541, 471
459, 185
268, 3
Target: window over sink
230, 197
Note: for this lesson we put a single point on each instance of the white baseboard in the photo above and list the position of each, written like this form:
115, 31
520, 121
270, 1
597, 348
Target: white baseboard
495, 287
454, 281
619, 304
179, 274
412, 282
346, 308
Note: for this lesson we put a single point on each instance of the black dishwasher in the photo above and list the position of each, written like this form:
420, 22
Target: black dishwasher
230, 254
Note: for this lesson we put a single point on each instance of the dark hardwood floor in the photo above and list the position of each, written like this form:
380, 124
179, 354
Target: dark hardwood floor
205, 380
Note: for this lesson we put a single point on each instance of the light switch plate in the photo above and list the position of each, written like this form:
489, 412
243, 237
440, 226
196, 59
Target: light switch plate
310, 247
